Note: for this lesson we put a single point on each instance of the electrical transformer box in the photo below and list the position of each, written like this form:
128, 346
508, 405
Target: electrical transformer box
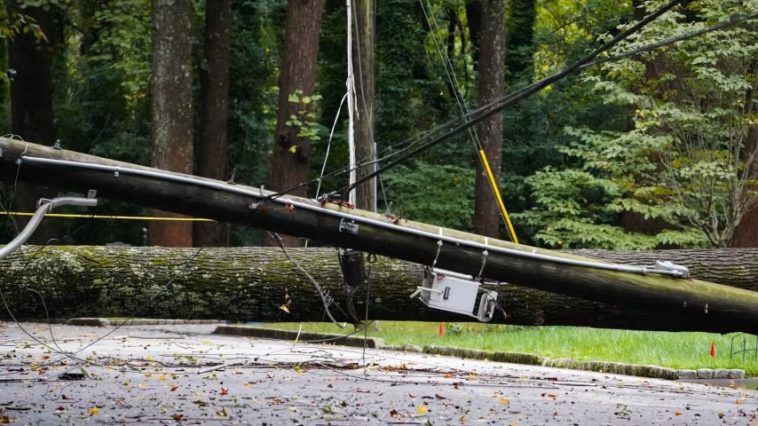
449, 291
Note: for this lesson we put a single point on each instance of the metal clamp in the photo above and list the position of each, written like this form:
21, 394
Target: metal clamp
671, 269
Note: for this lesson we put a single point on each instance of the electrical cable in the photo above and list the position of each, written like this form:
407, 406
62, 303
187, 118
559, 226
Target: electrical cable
455, 126
313, 281
732, 21
72, 355
500, 104
329, 146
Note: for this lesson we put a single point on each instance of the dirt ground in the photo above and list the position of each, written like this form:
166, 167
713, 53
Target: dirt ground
185, 374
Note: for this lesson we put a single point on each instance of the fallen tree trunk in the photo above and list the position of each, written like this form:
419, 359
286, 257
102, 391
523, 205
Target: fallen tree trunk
698, 304
252, 283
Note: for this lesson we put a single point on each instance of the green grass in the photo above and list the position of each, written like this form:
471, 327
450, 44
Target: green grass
683, 350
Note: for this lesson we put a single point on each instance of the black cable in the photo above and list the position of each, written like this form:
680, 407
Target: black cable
732, 21
498, 105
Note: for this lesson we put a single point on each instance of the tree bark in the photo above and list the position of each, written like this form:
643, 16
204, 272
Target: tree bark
30, 57
491, 82
212, 148
171, 91
297, 77
363, 70
699, 304
251, 284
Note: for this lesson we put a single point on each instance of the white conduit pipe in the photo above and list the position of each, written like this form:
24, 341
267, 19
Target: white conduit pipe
662, 268
45, 206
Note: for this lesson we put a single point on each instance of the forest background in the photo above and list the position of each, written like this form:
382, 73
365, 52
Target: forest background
655, 150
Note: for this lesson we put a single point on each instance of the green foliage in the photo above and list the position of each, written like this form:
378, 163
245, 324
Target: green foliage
305, 119
614, 174
437, 194
684, 166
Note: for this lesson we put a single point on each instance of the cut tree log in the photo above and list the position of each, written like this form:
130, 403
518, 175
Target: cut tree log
252, 283
698, 304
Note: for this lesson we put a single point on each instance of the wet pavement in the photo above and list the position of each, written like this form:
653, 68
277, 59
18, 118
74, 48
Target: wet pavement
171, 374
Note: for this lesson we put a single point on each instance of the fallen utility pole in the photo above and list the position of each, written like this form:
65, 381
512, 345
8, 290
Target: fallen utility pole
655, 288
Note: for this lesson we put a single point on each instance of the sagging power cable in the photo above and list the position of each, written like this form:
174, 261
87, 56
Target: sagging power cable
498, 105
447, 129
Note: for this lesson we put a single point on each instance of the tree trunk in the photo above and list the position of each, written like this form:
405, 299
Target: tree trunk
212, 148
363, 70
251, 284
297, 78
30, 57
171, 90
490, 131
699, 304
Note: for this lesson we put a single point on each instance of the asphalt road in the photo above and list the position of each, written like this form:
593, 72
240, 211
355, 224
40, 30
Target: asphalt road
186, 374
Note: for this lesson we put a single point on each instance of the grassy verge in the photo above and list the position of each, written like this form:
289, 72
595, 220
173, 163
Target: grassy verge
675, 350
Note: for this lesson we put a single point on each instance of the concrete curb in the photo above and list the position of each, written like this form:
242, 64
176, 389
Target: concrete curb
107, 322
269, 333
651, 371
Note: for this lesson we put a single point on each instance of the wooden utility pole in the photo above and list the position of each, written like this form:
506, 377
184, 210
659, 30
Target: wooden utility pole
364, 12
700, 302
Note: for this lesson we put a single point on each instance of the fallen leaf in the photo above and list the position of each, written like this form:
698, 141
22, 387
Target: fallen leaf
5, 420
463, 419
224, 391
422, 409
93, 411
504, 401
677, 413
739, 401
394, 413
178, 417
174, 387
222, 412
284, 308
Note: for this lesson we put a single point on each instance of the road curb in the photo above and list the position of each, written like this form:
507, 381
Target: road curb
108, 322
650, 371
270, 333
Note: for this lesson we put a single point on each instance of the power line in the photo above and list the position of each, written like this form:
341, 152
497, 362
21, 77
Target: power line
500, 104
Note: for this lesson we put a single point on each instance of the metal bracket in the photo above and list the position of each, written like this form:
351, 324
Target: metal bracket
672, 269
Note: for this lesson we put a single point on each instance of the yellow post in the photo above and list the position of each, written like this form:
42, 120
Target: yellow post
499, 199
